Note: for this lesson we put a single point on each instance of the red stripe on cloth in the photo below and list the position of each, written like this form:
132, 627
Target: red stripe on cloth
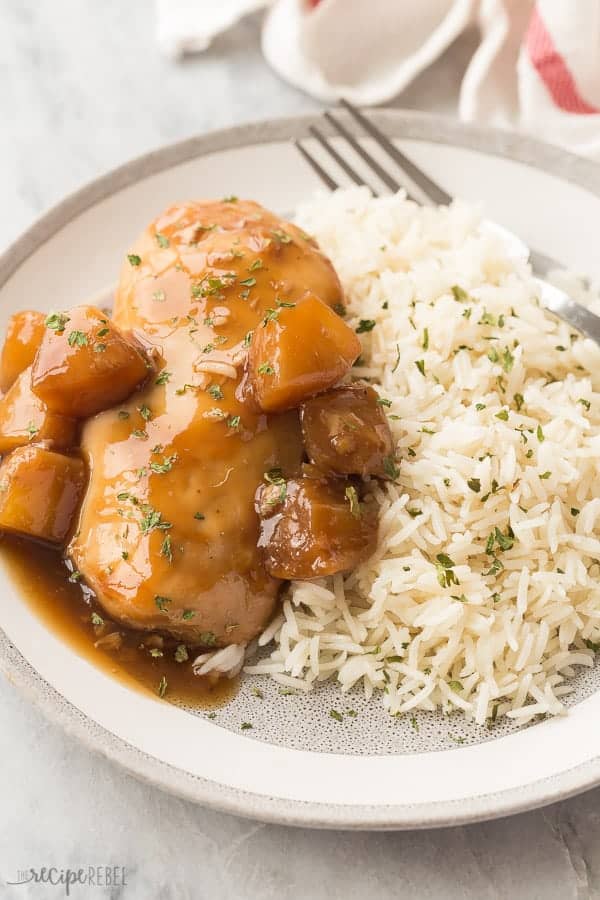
552, 68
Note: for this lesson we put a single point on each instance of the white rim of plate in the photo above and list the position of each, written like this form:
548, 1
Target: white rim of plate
397, 124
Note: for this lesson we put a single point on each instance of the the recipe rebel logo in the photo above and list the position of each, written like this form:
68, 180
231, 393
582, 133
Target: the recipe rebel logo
88, 876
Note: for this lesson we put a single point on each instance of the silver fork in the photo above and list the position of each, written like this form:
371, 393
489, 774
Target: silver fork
553, 299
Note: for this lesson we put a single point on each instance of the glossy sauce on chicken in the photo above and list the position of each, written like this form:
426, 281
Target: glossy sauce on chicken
205, 431
168, 533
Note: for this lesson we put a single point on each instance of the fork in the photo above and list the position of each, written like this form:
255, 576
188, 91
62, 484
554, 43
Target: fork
553, 299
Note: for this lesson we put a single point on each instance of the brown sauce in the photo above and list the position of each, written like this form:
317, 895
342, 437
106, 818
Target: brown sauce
66, 609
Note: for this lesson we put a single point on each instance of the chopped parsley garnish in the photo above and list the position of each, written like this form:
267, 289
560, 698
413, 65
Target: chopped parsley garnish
336, 715
161, 240
248, 282
200, 516
77, 339
459, 294
188, 614
390, 468
382, 401
397, 363
152, 519
455, 686
123, 414
493, 355
215, 391
275, 476
32, 429
591, 645
575, 511
208, 638
519, 401
247, 338
257, 264
413, 511
162, 602
545, 475
585, 403
281, 236
474, 484
487, 319
96, 619
256, 692
140, 433
420, 364
99, 348
145, 412
507, 360
233, 421
479, 406
124, 555
352, 498
425, 342
540, 434
162, 687
231, 199
181, 654
339, 308
495, 568
165, 466
134, 259
166, 549
445, 570
365, 325
163, 378
266, 368
56, 321
246, 725
503, 415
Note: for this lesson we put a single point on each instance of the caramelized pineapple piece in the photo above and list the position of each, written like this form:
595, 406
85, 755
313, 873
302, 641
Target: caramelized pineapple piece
312, 527
24, 418
85, 364
39, 493
298, 351
24, 334
346, 432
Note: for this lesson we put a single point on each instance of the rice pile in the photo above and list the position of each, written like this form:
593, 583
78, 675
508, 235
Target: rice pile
483, 592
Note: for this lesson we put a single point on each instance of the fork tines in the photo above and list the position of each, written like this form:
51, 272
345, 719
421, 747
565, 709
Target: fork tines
432, 191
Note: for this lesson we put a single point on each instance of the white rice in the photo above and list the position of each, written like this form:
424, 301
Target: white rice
487, 637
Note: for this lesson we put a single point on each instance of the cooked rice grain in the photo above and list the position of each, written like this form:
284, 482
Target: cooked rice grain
482, 594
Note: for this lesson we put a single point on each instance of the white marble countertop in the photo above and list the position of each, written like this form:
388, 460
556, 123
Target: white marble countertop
82, 88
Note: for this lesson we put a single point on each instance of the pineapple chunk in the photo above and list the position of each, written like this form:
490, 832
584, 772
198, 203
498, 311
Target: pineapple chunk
24, 418
24, 334
298, 351
85, 364
39, 493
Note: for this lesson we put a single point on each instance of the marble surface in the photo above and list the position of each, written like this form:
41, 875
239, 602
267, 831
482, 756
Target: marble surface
82, 89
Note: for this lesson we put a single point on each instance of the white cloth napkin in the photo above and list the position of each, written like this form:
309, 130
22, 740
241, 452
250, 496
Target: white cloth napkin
537, 67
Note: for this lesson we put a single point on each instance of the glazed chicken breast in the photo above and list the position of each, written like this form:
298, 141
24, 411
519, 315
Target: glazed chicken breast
205, 430
167, 536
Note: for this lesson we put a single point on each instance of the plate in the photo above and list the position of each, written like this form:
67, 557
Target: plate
298, 765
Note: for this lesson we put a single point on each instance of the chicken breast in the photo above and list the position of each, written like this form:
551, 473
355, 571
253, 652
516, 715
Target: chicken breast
167, 534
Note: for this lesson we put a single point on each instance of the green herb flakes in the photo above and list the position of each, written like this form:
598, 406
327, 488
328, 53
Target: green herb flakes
77, 339
365, 325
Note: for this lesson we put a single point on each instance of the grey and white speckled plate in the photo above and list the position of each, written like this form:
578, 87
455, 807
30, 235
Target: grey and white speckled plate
298, 765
